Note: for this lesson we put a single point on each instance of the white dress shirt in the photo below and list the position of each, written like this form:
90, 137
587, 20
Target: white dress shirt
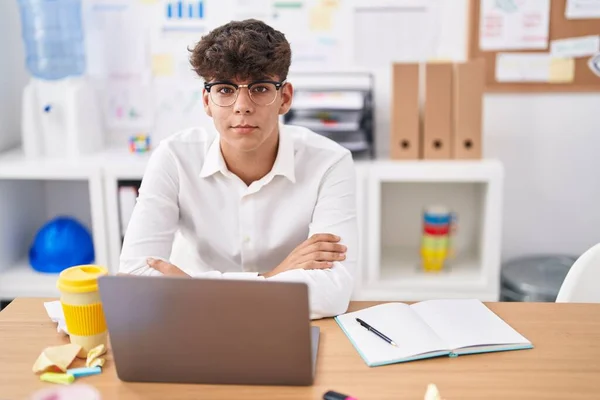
226, 229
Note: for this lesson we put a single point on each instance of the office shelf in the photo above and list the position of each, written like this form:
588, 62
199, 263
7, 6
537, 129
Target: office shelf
401, 268
397, 193
20, 280
26, 204
14, 165
390, 199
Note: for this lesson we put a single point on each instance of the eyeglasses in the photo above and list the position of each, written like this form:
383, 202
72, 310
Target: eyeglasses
262, 93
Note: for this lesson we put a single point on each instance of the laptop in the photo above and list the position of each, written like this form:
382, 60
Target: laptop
214, 331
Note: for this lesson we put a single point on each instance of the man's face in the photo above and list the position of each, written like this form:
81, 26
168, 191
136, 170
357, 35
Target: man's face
247, 121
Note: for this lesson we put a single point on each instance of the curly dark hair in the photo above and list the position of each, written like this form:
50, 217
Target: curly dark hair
245, 50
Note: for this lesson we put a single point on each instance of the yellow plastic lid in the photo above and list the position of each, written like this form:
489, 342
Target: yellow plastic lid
80, 278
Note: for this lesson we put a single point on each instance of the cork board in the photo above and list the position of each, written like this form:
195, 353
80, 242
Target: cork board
560, 28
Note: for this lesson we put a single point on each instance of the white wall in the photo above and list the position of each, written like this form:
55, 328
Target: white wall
550, 147
13, 75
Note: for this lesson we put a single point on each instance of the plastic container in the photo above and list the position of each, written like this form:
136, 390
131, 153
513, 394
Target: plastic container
534, 278
53, 35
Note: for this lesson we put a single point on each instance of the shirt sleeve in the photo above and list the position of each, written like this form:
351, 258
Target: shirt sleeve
330, 290
155, 217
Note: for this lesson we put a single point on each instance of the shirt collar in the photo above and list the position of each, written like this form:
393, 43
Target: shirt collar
214, 161
284, 162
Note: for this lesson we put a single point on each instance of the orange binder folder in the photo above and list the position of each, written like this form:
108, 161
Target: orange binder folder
404, 135
437, 118
469, 83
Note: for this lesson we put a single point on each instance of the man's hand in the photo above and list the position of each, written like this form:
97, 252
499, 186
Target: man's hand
165, 268
317, 252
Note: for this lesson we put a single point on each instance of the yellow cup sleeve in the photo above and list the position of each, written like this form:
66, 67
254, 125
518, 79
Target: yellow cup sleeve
84, 320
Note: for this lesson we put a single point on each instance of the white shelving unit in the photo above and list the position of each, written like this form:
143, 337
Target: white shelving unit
128, 167
397, 195
31, 193
390, 199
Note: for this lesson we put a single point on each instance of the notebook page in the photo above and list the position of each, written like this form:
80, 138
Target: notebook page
463, 323
398, 322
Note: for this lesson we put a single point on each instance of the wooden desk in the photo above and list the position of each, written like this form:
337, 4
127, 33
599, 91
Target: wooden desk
565, 363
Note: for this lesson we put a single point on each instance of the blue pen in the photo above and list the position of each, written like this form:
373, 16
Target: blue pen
81, 372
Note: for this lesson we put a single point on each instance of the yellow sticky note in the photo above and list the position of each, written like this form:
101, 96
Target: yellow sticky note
56, 358
331, 4
162, 65
54, 377
94, 353
562, 70
97, 362
320, 19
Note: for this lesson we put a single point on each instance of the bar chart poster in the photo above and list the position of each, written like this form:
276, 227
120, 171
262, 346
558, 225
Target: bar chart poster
184, 15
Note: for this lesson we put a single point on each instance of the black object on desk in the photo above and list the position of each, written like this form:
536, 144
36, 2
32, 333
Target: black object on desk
331, 395
375, 331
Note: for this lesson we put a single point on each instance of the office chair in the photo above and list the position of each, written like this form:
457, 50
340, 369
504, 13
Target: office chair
582, 283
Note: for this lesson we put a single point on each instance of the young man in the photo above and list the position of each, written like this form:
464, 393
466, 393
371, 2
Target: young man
253, 198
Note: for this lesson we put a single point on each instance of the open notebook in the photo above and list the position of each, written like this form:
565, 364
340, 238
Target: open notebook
429, 329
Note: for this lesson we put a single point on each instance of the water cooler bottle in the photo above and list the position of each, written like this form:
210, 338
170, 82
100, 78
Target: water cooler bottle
61, 114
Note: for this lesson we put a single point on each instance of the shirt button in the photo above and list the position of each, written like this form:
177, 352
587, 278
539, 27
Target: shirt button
246, 239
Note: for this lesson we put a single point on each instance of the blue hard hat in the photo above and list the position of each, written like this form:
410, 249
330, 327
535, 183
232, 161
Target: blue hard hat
61, 243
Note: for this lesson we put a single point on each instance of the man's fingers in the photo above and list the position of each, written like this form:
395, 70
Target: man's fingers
317, 265
322, 237
322, 256
159, 265
165, 268
328, 256
324, 246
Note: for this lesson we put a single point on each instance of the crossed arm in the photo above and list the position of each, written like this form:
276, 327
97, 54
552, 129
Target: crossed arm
325, 261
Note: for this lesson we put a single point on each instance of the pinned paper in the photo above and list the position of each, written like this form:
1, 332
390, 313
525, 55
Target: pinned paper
575, 47
163, 65
514, 25
594, 64
56, 358
562, 70
523, 67
582, 9
320, 19
331, 4
259, 9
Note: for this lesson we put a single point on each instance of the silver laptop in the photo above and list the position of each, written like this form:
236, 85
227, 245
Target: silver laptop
215, 331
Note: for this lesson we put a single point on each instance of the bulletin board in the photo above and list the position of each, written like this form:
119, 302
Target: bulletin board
560, 28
